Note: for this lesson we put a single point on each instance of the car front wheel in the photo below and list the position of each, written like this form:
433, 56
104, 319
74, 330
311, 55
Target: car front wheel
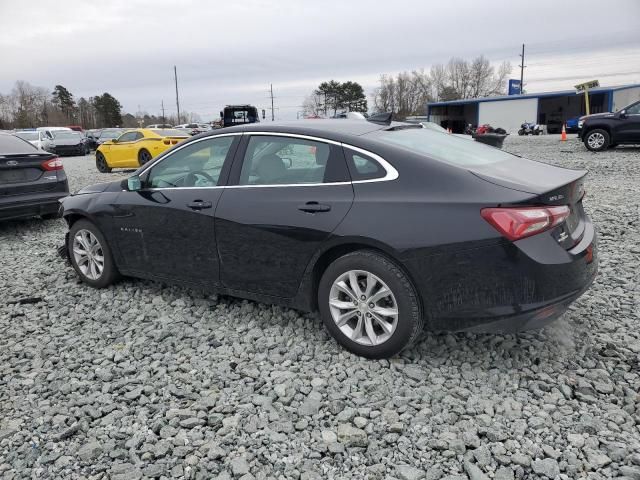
369, 305
90, 255
101, 163
597, 140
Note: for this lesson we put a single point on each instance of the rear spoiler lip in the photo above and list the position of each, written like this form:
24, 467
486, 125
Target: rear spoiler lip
579, 174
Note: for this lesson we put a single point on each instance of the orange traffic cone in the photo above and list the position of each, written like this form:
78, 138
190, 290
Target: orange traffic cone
563, 137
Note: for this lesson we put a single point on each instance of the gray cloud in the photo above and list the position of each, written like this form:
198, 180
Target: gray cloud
229, 52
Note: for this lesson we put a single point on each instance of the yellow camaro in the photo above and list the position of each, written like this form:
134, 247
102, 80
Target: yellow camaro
136, 147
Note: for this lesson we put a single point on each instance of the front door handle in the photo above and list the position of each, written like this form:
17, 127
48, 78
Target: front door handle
199, 205
314, 207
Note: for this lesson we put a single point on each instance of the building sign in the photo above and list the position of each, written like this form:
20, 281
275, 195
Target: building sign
514, 87
587, 85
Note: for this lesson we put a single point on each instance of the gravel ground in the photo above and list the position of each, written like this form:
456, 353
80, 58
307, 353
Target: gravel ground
144, 380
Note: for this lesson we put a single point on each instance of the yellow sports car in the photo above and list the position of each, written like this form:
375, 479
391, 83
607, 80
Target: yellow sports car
136, 147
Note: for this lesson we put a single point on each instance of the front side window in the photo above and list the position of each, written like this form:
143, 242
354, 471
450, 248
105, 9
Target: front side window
196, 165
634, 109
273, 160
127, 137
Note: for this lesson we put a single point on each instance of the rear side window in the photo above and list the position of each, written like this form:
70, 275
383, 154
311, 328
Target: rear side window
444, 147
127, 137
10, 144
363, 167
275, 160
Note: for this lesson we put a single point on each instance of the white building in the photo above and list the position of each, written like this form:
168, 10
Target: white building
552, 109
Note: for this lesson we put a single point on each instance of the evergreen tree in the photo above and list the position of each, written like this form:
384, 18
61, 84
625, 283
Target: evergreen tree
108, 110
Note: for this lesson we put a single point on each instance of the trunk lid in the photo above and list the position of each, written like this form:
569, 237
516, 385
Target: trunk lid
548, 185
23, 173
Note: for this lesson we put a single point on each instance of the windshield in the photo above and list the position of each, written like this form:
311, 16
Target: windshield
110, 133
170, 133
28, 135
443, 146
65, 134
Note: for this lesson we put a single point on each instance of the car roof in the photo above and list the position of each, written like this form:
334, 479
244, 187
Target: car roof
333, 129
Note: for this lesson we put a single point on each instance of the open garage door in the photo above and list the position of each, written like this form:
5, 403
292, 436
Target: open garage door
508, 114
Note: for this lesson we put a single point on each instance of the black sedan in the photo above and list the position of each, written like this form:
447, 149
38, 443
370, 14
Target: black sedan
31, 181
68, 142
382, 227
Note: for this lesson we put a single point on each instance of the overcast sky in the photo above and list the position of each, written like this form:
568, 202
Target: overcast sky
229, 52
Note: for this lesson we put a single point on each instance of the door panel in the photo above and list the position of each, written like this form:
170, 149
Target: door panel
265, 240
159, 234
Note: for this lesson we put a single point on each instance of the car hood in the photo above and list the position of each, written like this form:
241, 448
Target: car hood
596, 115
67, 141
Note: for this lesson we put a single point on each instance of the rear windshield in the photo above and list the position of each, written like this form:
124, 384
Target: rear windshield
169, 133
27, 135
10, 144
109, 133
445, 147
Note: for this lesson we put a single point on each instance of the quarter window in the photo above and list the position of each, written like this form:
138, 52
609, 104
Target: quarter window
273, 160
363, 167
196, 165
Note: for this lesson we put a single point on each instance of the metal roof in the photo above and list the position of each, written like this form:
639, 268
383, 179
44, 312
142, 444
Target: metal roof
560, 93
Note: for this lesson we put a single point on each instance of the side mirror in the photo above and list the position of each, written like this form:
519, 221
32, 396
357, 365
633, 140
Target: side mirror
134, 184
221, 114
623, 114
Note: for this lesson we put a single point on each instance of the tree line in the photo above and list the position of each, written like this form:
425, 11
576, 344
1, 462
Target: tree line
407, 93
28, 106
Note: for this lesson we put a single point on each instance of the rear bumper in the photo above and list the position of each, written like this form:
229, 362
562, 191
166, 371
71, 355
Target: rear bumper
31, 205
500, 288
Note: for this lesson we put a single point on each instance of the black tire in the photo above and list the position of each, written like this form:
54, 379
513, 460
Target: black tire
110, 272
101, 163
144, 156
597, 140
410, 322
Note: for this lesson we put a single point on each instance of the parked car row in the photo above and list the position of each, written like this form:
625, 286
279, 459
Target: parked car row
607, 130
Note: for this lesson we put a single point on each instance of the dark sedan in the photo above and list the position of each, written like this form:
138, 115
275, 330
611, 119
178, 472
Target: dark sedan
68, 142
31, 181
382, 227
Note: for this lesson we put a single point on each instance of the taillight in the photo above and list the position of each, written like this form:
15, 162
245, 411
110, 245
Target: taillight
166, 142
53, 164
516, 223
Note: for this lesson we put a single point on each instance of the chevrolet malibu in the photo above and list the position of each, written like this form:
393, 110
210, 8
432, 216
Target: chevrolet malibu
383, 227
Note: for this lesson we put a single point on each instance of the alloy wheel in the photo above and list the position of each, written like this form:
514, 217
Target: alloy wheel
596, 140
363, 307
88, 254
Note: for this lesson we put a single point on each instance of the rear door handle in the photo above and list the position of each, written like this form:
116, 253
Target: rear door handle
314, 207
199, 205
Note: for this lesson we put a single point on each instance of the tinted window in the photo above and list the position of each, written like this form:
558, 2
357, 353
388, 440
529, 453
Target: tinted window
127, 137
196, 165
445, 147
10, 144
284, 160
363, 167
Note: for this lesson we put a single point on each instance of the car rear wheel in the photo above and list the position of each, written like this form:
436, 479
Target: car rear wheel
101, 163
369, 305
90, 255
597, 140
143, 156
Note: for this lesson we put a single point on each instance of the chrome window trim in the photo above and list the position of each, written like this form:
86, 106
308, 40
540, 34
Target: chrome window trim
391, 172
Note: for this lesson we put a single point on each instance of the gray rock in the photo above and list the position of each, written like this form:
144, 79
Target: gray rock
474, 472
239, 466
90, 451
504, 473
407, 472
548, 467
351, 436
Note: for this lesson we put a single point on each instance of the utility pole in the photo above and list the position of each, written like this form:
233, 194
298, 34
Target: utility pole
272, 110
162, 106
522, 67
175, 74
